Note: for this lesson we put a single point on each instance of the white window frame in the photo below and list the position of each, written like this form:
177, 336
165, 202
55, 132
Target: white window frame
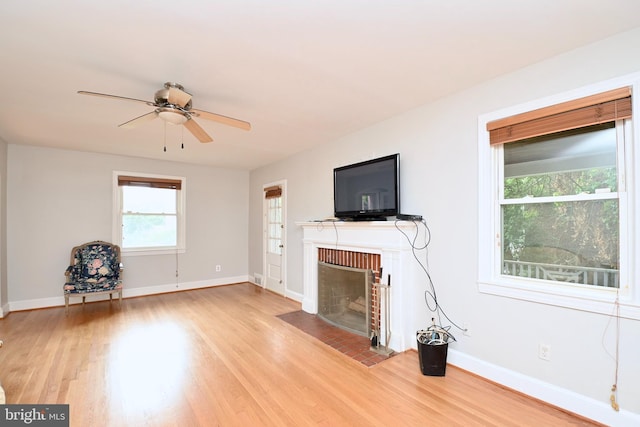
180, 246
580, 297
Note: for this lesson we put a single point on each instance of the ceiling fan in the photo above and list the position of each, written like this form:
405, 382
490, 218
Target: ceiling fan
173, 105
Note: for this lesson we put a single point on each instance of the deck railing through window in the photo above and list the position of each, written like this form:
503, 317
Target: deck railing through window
602, 277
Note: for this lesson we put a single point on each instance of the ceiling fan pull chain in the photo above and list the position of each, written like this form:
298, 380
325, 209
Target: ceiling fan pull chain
182, 136
165, 137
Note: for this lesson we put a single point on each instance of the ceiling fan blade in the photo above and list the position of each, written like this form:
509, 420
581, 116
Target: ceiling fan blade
197, 131
138, 120
178, 97
104, 95
241, 124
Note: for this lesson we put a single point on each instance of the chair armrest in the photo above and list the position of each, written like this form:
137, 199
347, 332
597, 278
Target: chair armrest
67, 272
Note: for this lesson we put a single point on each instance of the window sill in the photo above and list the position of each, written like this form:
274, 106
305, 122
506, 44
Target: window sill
599, 300
149, 251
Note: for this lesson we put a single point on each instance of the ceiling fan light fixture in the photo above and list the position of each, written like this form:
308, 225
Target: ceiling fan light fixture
171, 116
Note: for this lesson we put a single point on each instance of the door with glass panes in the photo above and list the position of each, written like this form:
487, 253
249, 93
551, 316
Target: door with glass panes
274, 239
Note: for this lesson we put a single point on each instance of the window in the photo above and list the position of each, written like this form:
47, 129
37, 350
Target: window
555, 201
149, 213
560, 207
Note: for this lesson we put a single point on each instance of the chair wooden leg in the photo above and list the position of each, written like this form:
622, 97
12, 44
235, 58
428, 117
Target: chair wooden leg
66, 303
83, 300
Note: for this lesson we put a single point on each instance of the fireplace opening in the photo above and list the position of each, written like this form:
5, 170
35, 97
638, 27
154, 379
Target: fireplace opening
344, 297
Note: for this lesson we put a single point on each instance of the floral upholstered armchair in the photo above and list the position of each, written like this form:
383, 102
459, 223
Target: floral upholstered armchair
95, 268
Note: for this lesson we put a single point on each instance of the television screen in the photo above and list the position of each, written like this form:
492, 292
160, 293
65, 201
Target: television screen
367, 190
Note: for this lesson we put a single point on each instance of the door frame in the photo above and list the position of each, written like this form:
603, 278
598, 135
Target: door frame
282, 184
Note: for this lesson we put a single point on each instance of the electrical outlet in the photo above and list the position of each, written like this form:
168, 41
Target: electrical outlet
544, 351
218, 268
466, 329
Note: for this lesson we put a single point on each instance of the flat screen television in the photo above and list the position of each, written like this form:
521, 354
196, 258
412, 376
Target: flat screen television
367, 191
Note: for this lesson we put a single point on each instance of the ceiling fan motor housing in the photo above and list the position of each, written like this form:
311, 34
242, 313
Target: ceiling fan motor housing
161, 99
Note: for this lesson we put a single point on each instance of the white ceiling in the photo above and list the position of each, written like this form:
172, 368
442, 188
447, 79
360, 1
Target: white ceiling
303, 72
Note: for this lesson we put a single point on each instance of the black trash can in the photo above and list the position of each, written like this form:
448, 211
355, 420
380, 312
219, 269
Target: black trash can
433, 358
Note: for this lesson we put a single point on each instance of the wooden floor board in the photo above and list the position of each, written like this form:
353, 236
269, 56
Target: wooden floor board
221, 357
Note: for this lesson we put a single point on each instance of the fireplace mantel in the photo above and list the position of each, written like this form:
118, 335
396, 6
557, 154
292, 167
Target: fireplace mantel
397, 261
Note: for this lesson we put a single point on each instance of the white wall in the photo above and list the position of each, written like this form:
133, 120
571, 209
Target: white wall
58, 199
439, 166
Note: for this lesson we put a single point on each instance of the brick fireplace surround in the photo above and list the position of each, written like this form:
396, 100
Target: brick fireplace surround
382, 238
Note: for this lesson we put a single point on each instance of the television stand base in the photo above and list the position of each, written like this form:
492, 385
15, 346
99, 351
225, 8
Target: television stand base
365, 218
407, 217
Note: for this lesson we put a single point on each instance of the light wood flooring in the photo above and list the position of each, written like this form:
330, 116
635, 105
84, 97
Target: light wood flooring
220, 357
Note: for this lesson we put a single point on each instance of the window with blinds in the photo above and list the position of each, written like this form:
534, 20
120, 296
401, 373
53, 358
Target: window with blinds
149, 213
556, 199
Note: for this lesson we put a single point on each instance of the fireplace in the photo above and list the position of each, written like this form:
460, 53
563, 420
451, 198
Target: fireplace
344, 297
369, 246
346, 292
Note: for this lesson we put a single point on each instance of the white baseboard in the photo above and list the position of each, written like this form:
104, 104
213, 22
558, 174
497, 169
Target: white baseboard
552, 394
298, 297
258, 280
4, 309
126, 293
173, 287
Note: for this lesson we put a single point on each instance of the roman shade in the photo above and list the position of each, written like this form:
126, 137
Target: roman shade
591, 110
272, 192
140, 181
